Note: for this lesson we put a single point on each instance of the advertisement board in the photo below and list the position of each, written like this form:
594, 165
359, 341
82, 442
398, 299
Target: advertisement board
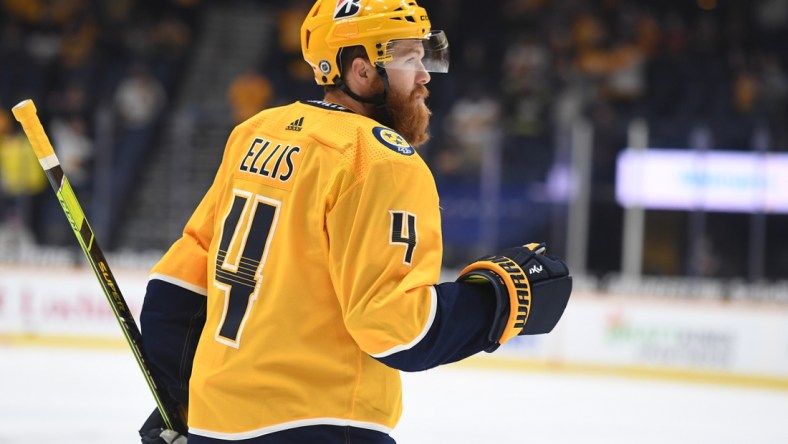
596, 332
709, 180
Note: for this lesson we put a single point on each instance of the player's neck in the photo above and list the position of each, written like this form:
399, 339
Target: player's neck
339, 98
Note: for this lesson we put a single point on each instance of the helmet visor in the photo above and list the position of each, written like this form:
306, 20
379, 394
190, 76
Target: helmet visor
429, 54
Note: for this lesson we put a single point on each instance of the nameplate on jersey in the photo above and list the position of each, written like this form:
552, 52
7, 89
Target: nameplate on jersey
277, 162
326, 105
393, 141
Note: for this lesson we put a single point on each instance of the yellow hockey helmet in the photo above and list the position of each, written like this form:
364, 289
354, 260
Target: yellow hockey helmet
374, 24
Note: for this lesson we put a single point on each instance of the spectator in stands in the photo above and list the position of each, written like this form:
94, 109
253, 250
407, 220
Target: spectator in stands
139, 98
21, 179
249, 93
74, 150
138, 103
170, 41
471, 126
527, 100
295, 79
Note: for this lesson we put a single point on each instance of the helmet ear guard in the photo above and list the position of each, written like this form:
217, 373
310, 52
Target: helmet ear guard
375, 25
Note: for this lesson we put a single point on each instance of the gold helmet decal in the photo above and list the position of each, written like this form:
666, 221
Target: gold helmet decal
374, 24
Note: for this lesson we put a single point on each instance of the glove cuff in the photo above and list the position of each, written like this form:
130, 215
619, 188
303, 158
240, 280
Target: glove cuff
512, 288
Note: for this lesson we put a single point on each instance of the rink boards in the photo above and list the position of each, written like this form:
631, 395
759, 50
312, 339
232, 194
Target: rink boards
629, 335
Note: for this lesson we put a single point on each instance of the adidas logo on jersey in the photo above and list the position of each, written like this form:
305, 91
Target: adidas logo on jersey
535, 269
295, 125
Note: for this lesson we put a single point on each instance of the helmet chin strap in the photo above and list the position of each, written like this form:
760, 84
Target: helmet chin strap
379, 100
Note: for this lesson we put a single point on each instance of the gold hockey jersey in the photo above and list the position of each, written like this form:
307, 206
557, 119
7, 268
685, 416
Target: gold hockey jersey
318, 248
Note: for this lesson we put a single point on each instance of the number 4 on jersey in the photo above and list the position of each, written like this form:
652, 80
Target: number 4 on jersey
246, 235
403, 231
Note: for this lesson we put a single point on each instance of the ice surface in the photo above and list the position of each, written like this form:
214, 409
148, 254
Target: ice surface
68, 395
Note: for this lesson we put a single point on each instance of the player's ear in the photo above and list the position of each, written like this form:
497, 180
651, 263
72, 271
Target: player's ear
361, 72
360, 67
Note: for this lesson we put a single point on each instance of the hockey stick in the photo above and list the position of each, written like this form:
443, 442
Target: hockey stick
25, 113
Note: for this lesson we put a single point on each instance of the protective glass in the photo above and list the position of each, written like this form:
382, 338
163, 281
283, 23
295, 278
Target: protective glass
430, 54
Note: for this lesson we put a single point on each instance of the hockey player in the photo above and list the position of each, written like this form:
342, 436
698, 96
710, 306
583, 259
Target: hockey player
307, 277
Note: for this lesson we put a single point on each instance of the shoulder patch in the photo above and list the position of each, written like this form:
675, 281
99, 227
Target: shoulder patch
393, 141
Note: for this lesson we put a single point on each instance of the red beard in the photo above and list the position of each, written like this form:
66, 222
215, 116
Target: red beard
409, 117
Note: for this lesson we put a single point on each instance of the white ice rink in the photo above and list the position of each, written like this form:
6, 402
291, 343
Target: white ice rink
67, 395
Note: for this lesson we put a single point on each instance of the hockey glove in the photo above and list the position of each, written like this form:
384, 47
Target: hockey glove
531, 290
153, 431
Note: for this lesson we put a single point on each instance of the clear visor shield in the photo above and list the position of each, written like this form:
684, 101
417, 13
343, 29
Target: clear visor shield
430, 54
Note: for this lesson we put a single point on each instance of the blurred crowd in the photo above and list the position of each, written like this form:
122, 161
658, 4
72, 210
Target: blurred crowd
700, 73
97, 71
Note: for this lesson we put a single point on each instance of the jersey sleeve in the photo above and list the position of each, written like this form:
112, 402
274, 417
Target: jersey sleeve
172, 320
459, 329
173, 311
385, 259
